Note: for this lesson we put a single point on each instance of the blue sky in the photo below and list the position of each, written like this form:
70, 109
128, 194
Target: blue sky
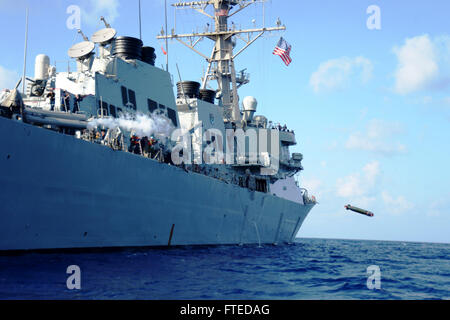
371, 108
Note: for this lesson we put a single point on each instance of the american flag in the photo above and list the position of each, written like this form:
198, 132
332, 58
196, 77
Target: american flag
222, 12
283, 49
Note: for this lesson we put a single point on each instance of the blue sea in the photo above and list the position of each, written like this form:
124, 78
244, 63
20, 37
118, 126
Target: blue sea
308, 269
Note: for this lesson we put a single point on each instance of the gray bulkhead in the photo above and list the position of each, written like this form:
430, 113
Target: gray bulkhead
135, 86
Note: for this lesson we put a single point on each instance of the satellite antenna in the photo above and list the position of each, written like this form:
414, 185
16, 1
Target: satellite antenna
82, 49
104, 36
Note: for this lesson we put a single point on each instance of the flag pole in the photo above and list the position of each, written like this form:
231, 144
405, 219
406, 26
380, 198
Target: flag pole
140, 22
25, 54
167, 40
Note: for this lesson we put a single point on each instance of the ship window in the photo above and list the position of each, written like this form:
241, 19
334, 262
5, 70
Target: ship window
172, 116
124, 95
112, 110
102, 106
132, 98
128, 98
105, 108
261, 185
162, 110
152, 105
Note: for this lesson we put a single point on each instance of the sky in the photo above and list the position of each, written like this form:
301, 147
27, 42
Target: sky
367, 94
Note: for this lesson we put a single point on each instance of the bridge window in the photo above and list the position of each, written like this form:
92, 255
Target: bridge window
128, 98
162, 108
124, 95
103, 109
132, 98
172, 116
112, 110
152, 105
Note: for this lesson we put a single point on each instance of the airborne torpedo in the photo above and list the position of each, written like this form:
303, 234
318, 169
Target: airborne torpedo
359, 210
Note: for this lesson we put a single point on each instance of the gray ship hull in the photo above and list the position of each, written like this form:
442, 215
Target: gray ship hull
59, 192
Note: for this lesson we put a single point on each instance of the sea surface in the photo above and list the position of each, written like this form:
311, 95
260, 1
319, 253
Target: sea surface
308, 269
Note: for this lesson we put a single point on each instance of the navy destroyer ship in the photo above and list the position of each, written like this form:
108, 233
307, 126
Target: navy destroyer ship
108, 156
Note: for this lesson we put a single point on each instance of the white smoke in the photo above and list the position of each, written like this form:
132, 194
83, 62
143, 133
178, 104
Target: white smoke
140, 124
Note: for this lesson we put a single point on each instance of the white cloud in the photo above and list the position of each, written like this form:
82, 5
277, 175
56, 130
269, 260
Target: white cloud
439, 207
378, 138
359, 142
94, 9
364, 201
380, 129
432, 101
397, 205
350, 186
8, 78
422, 64
338, 73
371, 172
313, 186
361, 188
359, 184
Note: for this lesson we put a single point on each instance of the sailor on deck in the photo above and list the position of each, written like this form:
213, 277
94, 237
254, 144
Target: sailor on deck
51, 96
66, 101
135, 144
76, 103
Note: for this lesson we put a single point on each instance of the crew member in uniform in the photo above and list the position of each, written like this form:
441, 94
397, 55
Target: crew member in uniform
145, 145
76, 103
135, 144
51, 96
66, 101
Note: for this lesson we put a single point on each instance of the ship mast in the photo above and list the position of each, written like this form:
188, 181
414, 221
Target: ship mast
221, 61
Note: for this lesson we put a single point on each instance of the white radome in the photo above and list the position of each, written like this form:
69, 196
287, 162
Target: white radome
250, 103
41, 67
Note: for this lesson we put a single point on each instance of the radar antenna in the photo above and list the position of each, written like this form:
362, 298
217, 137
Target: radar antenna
104, 36
82, 49
82, 34
107, 25
221, 60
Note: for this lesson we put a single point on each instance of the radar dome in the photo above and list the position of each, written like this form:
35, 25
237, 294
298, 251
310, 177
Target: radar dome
250, 104
41, 67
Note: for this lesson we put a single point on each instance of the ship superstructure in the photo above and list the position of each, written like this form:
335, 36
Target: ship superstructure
108, 156
221, 69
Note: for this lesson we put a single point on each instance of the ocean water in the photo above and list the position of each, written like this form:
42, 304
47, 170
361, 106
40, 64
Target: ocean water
308, 269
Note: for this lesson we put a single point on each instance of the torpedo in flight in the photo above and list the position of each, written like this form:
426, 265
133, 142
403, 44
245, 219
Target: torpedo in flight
359, 210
